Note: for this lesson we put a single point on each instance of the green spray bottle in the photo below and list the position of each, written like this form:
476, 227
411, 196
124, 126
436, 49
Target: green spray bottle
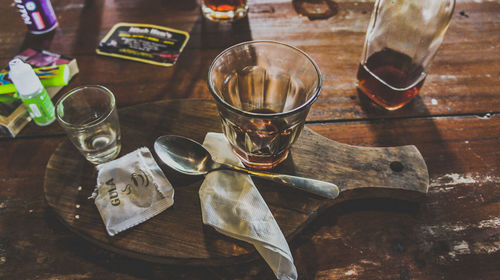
32, 92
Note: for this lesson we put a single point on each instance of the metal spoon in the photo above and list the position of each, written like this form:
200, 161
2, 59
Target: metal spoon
189, 157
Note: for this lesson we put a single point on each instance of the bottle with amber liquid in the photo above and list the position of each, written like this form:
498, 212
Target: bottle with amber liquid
401, 41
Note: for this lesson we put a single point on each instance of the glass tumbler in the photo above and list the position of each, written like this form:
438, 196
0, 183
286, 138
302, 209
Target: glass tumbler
264, 91
401, 41
89, 117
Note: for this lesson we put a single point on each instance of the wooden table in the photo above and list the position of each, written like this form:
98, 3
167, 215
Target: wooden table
454, 233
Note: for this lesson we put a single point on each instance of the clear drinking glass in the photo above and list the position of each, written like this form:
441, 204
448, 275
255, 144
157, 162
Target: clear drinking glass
401, 41
89, 117
224, 10
264, 91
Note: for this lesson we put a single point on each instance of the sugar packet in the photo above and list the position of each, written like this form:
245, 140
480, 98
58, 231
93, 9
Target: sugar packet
131, 190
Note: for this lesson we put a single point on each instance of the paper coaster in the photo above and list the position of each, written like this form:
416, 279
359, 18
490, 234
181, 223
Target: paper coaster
144, 42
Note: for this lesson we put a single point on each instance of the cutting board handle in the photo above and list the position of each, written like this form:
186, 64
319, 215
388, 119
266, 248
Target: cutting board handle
398, 172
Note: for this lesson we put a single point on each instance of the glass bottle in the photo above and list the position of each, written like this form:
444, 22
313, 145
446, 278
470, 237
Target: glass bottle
401, 41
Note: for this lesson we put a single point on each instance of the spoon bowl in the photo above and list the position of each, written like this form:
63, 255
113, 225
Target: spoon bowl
189, 157
183, 154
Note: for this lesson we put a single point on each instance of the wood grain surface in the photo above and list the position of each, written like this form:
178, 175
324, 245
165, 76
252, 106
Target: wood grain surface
178, 235
464, 77
454, 122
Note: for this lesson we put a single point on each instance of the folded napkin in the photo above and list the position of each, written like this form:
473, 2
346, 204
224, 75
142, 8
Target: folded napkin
231, 203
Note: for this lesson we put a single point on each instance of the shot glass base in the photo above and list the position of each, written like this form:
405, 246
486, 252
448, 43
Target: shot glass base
260, 162
102, 158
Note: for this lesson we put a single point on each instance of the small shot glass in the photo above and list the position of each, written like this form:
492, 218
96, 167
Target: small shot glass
224, 10
264, 91
89, 117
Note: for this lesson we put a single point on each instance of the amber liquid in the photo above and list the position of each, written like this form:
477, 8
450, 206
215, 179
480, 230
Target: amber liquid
390, 78
224, 5
261, 143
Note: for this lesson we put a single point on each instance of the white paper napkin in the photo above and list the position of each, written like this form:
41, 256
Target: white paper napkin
231, 203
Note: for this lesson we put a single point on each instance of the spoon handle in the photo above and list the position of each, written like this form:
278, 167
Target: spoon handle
317, 187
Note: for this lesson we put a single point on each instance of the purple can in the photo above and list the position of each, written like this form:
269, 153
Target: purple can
38, 15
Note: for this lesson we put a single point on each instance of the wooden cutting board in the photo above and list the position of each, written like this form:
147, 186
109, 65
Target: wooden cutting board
178, 235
